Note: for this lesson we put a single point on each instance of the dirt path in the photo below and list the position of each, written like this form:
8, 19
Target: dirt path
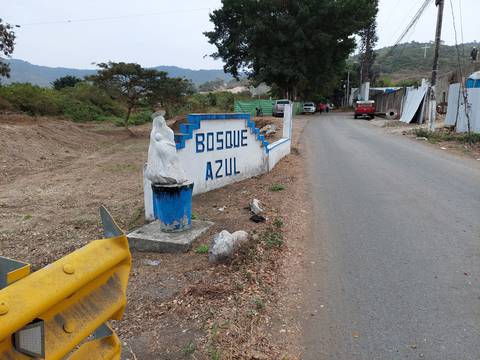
181, 307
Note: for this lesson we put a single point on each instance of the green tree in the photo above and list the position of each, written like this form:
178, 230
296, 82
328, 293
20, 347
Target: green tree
65, 81
7, 44
300, 46
130, 83
172, 93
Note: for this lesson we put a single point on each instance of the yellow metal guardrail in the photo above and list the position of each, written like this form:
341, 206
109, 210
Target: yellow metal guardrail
61, 311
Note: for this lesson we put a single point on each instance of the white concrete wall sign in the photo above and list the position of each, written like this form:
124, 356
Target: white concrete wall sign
223, 151
219, 149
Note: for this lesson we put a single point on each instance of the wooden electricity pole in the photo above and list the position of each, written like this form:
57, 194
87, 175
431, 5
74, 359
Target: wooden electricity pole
438, 37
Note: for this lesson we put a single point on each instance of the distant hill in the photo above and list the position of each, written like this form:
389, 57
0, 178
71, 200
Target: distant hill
408, 61
23, 71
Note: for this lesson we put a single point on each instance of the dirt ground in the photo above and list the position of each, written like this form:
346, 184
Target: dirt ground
54, 174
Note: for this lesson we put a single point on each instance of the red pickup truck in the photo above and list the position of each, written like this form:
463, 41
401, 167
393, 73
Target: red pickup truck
365, 109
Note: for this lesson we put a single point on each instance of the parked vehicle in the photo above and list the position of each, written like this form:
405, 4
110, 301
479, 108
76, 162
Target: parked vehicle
309, 108
279, 106
365, 109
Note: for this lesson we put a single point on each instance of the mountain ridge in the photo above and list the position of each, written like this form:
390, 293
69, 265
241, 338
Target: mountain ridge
410, 61
24, 71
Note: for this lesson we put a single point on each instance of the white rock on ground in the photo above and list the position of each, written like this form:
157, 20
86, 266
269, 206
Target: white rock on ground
224, 245
255, 207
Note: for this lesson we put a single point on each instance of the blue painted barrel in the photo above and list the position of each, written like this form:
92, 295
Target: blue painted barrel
172, 206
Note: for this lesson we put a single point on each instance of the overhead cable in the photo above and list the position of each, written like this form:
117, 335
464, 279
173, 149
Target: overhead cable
410, 26
99, 19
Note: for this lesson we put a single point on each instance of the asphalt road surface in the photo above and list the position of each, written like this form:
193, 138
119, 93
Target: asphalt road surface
394, 258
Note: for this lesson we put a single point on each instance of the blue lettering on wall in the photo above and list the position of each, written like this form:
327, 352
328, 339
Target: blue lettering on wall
220, 140
209, 172
235, 172
244, 137
236, 139
228, 169
228, 140
210, 141
199, 139
222, 168
219, 164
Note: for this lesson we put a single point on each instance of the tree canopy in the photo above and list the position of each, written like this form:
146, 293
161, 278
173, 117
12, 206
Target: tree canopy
65, 81
134, 85
299, 46
7, 44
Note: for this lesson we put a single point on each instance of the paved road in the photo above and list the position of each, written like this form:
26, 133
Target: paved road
394, 266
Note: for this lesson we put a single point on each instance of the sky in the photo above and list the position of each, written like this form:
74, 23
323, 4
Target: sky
74, 33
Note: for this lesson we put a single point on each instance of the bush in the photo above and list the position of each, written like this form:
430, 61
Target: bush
95, 97
5, 105
277, 187
202, 249
80, 111
32, 99
83, 102
225, 101
473, 138
141, 117
437, 136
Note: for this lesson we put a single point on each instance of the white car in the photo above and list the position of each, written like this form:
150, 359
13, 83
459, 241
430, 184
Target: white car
309, 108
278, 107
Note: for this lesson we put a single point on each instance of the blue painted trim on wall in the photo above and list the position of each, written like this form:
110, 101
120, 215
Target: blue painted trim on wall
194, 123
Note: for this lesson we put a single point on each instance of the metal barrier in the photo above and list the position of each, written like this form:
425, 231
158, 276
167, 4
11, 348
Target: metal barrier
61, 311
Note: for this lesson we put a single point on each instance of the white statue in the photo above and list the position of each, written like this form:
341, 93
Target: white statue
163, 166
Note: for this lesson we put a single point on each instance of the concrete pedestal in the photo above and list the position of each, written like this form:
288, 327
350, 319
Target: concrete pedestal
150, 238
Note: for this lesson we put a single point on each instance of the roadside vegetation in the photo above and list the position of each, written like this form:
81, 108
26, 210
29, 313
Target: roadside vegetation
447, 135
83, 100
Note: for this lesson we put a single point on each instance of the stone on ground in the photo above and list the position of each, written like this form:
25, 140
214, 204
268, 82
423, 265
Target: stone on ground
224, 245
255, 207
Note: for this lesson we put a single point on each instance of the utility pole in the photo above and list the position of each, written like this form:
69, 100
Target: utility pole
438, 36
348, 89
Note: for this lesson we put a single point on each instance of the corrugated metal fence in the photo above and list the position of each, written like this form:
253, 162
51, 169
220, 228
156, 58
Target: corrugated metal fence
390, 101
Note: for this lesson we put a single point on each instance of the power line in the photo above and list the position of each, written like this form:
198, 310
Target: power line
461, 27
410, 26
459, 61
414, 21
407, 16
99, 19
